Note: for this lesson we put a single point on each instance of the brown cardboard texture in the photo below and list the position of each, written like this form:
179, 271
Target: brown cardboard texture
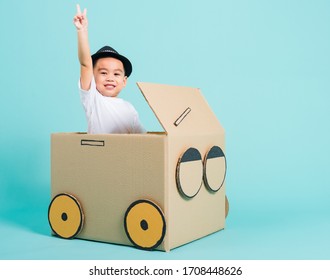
157, 190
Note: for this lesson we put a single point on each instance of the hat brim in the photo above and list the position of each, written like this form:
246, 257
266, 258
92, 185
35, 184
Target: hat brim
126, 63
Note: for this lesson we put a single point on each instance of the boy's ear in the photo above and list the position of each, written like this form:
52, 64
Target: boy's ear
125, 80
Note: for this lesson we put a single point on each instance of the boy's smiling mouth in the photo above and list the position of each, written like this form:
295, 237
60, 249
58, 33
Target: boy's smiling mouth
109, 86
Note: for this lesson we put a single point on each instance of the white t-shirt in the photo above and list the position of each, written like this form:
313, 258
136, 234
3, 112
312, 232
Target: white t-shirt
108, 114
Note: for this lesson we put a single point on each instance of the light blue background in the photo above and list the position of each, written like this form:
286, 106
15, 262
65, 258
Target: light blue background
263, 66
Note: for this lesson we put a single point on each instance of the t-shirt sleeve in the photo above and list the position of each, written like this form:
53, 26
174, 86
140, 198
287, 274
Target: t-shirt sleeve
137, 127
87, 97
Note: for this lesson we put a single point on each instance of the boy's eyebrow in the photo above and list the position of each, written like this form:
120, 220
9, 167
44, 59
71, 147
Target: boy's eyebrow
106, 69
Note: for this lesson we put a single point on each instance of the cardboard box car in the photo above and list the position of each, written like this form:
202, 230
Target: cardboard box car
157, 190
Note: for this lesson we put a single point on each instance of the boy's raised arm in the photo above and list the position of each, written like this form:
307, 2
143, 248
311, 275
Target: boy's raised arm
84, 55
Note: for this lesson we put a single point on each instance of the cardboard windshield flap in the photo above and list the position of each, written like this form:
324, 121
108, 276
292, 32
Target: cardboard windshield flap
157, 190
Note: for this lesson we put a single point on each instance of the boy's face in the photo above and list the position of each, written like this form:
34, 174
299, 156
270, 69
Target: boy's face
109, 76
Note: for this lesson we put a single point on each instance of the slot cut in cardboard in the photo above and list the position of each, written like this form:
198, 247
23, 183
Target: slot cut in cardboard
183, 115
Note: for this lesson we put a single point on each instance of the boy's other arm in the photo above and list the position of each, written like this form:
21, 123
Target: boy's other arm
84, 55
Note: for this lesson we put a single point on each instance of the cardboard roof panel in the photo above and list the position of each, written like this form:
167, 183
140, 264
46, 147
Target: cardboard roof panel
180, 110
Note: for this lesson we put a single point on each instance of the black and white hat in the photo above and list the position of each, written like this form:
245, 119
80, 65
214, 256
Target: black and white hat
107, 51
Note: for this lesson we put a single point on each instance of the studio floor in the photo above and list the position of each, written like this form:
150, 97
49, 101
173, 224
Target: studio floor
249, 235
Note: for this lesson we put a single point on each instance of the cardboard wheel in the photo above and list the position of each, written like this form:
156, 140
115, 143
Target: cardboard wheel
189, 173
226, 207
65, 216
145, 224
215, 167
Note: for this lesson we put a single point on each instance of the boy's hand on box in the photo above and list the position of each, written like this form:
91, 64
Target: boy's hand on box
80, 19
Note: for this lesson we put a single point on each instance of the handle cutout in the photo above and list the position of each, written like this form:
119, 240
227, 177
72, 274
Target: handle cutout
97, 143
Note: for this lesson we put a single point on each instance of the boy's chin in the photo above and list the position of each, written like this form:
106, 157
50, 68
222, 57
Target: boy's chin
109, 94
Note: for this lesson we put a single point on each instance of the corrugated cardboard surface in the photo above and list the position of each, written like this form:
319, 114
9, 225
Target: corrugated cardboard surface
180, 110
107, 179
189, 122
193, 218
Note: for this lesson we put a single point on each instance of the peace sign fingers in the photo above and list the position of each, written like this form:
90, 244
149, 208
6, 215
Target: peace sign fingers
80, 19
79, 11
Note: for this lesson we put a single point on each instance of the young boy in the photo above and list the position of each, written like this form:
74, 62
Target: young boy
102, 77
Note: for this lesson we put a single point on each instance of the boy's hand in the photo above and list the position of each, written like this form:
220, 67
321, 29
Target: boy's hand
80, 19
